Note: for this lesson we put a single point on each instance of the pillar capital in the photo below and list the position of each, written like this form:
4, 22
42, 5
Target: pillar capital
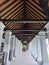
13, 37
8, 33
1, 32
19, 41
34, 39
47, 26
1, 26
42, 33
37, 37
16, 39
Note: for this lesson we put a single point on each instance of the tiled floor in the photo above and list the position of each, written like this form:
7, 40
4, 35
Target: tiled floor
24, 59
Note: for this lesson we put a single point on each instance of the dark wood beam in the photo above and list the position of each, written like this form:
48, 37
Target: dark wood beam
4, 2
8, 6
31, 15
36, 8
39, 6
16, 14
32, 12
14, 11
24, 5
11, 8
21, 35
45, 7
24, 21
26, 30
20, 14
24, 34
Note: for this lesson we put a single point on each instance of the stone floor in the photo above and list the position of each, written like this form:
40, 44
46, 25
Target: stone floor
24, 59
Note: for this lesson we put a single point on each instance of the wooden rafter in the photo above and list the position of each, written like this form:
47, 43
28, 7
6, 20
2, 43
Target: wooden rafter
35, 9
45, 7
25, 18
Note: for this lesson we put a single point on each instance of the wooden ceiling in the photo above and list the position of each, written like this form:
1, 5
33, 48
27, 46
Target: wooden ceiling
19, 16
24, 10
24, 31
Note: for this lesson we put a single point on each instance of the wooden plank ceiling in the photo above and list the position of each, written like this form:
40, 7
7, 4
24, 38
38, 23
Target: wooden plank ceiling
12, 12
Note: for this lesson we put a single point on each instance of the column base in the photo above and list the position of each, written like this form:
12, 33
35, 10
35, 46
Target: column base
35, 57
39, 60
8, 63
13, 58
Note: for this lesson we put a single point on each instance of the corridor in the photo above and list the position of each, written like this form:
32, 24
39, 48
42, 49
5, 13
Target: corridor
14, 51
24, 59
24, 32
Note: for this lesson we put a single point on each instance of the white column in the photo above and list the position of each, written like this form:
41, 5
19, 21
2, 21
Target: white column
1, 32
48, 36
18, 47
35, 48
30, 47
7, 46
12, 43
15, 48
43, 47
39, 53
47, 27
